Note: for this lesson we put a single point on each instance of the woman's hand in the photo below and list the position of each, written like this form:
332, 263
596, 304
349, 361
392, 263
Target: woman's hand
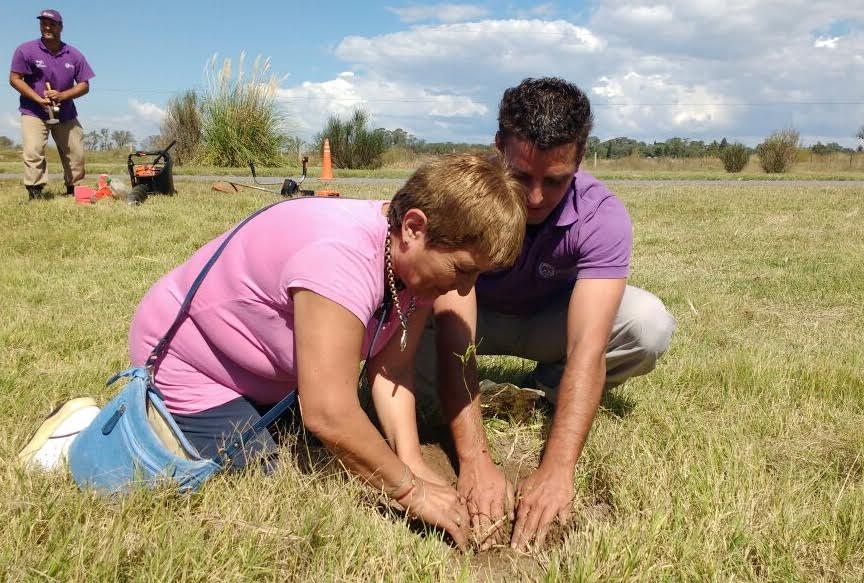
439, 506
327, 367
421, 469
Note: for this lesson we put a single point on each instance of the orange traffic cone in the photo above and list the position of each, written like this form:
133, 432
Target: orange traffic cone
326, 162
326, 170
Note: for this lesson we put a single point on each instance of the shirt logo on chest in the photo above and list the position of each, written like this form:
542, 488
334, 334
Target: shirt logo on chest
545, 270
39, 63
69, 66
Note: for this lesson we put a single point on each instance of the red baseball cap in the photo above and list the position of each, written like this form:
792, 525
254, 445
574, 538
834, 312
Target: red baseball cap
51, 15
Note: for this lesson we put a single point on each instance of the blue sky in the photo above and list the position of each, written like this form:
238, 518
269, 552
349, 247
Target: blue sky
653, 69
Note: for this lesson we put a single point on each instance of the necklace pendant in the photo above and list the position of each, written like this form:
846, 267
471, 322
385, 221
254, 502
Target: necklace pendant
403, 342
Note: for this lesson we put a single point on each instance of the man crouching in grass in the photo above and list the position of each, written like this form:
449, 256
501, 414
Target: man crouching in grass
565, 304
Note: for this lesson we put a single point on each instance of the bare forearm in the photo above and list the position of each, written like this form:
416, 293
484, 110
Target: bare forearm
578, 398
397, 414
74, 92
458, 390
348, 433
21, 87
392, 390
461, 406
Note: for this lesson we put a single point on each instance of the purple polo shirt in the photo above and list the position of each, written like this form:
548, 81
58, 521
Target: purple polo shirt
63, 70
588, 236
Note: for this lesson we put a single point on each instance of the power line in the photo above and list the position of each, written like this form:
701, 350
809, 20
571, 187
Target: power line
731, 104
308, 98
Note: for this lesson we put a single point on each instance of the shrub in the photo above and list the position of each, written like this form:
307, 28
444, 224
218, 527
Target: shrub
734, 157
182, 123
241, 121
779, 151
402, 157
352, 144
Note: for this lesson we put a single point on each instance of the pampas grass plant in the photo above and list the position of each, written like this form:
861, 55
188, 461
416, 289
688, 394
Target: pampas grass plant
241, 120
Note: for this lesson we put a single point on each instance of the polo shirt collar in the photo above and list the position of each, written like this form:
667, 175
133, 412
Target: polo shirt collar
59, 52
566, 213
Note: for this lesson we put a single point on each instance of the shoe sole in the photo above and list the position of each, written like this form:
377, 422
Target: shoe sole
46, 430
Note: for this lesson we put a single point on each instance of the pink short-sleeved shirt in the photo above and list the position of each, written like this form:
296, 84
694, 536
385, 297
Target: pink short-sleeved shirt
239, 337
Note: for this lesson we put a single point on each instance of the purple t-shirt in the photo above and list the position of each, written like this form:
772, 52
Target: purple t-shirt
63, 70
587, 236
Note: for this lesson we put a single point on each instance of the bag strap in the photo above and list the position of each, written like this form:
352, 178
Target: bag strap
235, 446
162, 345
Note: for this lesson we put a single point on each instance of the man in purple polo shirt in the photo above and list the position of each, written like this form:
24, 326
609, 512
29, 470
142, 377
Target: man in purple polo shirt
48, 72
565, 304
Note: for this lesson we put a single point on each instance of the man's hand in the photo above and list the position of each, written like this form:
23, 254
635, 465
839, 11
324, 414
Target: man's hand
541, 497
54, 95
490, 500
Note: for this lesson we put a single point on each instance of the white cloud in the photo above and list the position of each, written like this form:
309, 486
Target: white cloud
608, 88
653, 68
141, 118
656, 15
634, 101
147, 111
826, 43
471, 44
10, 126
439, 12
442, 82
718, 28
390, 104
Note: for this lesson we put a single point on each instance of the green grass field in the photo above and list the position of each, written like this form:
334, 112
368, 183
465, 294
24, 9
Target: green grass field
740, 458
835, 167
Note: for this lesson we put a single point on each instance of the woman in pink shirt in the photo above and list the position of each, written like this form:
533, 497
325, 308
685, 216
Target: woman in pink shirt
292, 304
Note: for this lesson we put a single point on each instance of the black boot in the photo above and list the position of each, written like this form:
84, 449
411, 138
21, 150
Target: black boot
34, 191
70, 189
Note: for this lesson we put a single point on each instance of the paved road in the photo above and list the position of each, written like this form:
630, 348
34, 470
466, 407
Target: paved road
637, 181
182, 177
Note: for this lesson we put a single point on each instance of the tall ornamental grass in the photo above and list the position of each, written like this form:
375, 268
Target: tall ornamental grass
241, 121
182, 124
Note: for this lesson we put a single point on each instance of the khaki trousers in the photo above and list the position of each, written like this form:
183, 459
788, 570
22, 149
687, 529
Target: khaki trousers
69, 138
640, 334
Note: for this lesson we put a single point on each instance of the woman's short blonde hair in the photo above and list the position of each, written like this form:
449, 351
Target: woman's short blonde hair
471, 202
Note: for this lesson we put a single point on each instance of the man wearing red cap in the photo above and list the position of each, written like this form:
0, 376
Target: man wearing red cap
49, 74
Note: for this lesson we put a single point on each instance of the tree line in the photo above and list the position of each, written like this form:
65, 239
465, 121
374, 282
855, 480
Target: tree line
355, 144
624, 147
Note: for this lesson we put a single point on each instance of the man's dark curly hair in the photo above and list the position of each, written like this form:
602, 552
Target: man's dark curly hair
548, 111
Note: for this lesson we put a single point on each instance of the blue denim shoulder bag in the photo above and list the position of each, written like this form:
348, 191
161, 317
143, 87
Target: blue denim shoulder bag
134, 440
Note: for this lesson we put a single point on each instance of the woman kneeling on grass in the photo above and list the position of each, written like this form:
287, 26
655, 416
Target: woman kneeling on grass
292, 304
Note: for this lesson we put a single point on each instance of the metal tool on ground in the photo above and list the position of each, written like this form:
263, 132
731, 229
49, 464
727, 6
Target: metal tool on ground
153, 177
289, 187
326, 171
52, 108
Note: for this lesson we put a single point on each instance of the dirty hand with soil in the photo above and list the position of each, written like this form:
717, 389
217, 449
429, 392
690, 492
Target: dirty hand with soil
439, 505
543, 496
489, 496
